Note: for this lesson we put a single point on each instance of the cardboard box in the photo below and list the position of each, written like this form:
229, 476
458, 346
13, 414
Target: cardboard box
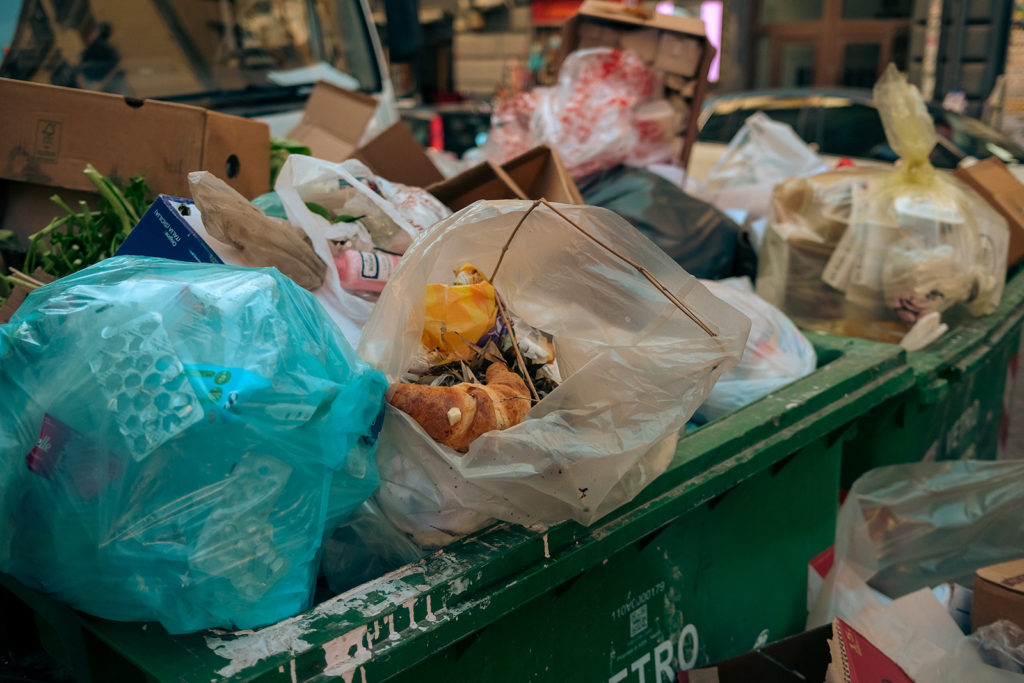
992, 180
170, 229
540, 174
806, 654
483, 181
334, 124
536, 174
681, 59
51, 133
998, 594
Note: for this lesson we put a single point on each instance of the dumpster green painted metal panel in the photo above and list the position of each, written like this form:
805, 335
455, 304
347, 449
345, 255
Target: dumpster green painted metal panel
728, 574
957, 405
749, 466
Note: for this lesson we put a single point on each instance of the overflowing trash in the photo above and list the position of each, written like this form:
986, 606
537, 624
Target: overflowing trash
909, 535
571, 351
225, 409
869, 253
180, 469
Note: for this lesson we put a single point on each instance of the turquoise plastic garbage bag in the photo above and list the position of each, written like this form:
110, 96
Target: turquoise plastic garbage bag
172, 433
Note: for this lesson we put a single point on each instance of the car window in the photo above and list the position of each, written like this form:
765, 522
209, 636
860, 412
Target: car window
718, 128
176, 48
722, 127
974, 138
854, 130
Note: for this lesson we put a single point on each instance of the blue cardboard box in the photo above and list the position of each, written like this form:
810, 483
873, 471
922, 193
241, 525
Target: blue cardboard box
168, 230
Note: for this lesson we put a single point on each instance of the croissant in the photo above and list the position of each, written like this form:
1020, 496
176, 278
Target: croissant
456, 416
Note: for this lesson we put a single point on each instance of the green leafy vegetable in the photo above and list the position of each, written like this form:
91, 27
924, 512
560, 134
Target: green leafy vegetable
280, 150
83, 236
322, 211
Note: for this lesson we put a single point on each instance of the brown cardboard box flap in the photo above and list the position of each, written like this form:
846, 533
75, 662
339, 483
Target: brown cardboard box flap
334, 121
51, 133
1000, 188
614, 11
540, 174
397, 155
483, 181
998, 594
1008, 575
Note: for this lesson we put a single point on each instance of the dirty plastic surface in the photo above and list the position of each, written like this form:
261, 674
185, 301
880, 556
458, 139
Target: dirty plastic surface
172, 435
634, 366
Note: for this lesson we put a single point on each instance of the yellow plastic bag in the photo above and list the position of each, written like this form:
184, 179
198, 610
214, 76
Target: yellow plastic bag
869, 252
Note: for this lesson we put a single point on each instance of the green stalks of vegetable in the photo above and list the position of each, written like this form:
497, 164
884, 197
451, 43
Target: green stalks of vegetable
81, 237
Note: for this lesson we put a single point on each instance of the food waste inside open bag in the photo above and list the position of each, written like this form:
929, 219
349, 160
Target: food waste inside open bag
536, 373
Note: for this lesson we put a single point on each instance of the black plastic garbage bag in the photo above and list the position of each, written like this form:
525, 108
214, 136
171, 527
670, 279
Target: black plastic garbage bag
699, 237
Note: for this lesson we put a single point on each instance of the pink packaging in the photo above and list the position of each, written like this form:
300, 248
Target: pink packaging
364, 271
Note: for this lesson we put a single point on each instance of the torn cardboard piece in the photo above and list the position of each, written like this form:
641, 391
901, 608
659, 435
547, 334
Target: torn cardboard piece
335, 124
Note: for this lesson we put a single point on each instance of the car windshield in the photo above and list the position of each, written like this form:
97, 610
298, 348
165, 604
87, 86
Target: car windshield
181, 48
974, 138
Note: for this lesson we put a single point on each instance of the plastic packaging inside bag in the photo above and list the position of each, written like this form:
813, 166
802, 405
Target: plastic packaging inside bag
175, 437
776, 352
762, 154
343, 206
906, 527
634, 368
589, 117
1000, 644
870, 252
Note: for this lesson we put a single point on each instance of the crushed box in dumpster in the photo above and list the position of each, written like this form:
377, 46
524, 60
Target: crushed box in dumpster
992, 180
998, 594
335, 127
170, 229
676, 47
51, 133
536, 174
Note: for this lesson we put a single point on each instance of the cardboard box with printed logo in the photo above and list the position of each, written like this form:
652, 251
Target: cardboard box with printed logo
51, 133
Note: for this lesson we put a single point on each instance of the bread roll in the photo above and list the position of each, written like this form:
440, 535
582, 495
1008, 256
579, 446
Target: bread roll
456, 416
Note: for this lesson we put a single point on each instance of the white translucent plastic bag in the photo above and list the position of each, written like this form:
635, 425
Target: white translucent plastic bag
775, 355
378, 214
635, 367
906, 527
762, 154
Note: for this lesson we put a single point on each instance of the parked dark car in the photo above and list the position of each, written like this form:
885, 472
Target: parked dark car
845, 123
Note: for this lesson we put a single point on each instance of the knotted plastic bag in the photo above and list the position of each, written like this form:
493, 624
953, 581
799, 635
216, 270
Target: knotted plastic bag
870, 252
634, 368
175, 438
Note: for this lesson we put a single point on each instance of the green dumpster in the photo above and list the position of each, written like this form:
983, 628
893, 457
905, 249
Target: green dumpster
957, 406
710, 559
